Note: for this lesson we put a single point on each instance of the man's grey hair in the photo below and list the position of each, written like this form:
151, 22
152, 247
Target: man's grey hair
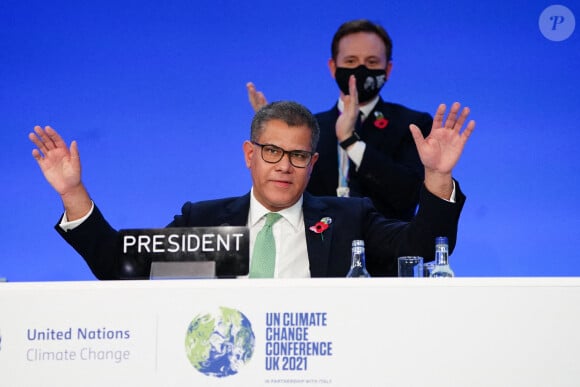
292, 113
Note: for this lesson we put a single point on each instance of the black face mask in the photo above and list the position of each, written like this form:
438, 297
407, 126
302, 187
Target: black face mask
368, 82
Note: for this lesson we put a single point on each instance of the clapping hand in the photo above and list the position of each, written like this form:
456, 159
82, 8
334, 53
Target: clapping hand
257, 98
345, 125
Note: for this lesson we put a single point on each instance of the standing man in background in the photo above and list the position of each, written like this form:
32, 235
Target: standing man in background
378, 159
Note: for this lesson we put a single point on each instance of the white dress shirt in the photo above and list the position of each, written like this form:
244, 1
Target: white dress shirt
291, 251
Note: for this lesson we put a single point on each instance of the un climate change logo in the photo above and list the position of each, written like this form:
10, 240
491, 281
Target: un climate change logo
219, 344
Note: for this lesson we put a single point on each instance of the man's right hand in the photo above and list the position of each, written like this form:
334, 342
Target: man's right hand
61, 167
257, 98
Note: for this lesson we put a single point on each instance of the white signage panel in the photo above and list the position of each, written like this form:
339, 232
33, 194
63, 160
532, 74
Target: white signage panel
326, 332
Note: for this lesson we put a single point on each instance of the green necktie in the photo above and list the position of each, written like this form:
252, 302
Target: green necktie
264, 255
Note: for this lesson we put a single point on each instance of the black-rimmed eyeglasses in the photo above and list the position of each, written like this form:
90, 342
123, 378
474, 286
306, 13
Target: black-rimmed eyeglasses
273, 154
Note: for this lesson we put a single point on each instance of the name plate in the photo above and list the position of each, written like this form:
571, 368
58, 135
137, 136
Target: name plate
226, 246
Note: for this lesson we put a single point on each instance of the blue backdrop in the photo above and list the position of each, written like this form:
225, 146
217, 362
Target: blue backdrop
155, 95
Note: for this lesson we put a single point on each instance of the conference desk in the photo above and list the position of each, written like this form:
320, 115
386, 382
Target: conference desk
330, 332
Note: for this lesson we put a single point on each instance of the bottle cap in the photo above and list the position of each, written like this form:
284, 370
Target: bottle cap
358, 243
441, 240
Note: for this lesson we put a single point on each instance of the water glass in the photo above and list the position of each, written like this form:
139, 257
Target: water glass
410, 266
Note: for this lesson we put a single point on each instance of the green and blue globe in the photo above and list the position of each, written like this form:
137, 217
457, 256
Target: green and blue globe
219, 344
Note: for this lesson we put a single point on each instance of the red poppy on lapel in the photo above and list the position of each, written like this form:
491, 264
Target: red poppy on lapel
321, 226
380, 121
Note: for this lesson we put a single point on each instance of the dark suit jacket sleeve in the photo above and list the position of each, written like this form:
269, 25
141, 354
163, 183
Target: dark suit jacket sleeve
100, 245
387, 241
97, 242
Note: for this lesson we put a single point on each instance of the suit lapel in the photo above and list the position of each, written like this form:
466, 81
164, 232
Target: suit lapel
236, 213
318, 245
379, 112
380, 129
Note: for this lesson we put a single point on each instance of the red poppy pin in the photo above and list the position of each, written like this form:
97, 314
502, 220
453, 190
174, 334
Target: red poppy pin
380, 121
321, 226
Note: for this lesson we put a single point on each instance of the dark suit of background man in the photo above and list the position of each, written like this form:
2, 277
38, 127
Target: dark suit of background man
280, 155
381, 160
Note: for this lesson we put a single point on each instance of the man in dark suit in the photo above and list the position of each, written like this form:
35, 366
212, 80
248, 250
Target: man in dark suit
379, 159
280, 157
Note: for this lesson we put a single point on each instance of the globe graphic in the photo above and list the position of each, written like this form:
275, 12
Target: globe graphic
219, 344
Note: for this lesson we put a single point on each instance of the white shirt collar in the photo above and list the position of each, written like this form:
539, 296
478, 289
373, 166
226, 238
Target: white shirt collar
293, 214
366, 109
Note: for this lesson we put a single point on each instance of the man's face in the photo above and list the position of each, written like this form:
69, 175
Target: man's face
279, 185
361, 48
